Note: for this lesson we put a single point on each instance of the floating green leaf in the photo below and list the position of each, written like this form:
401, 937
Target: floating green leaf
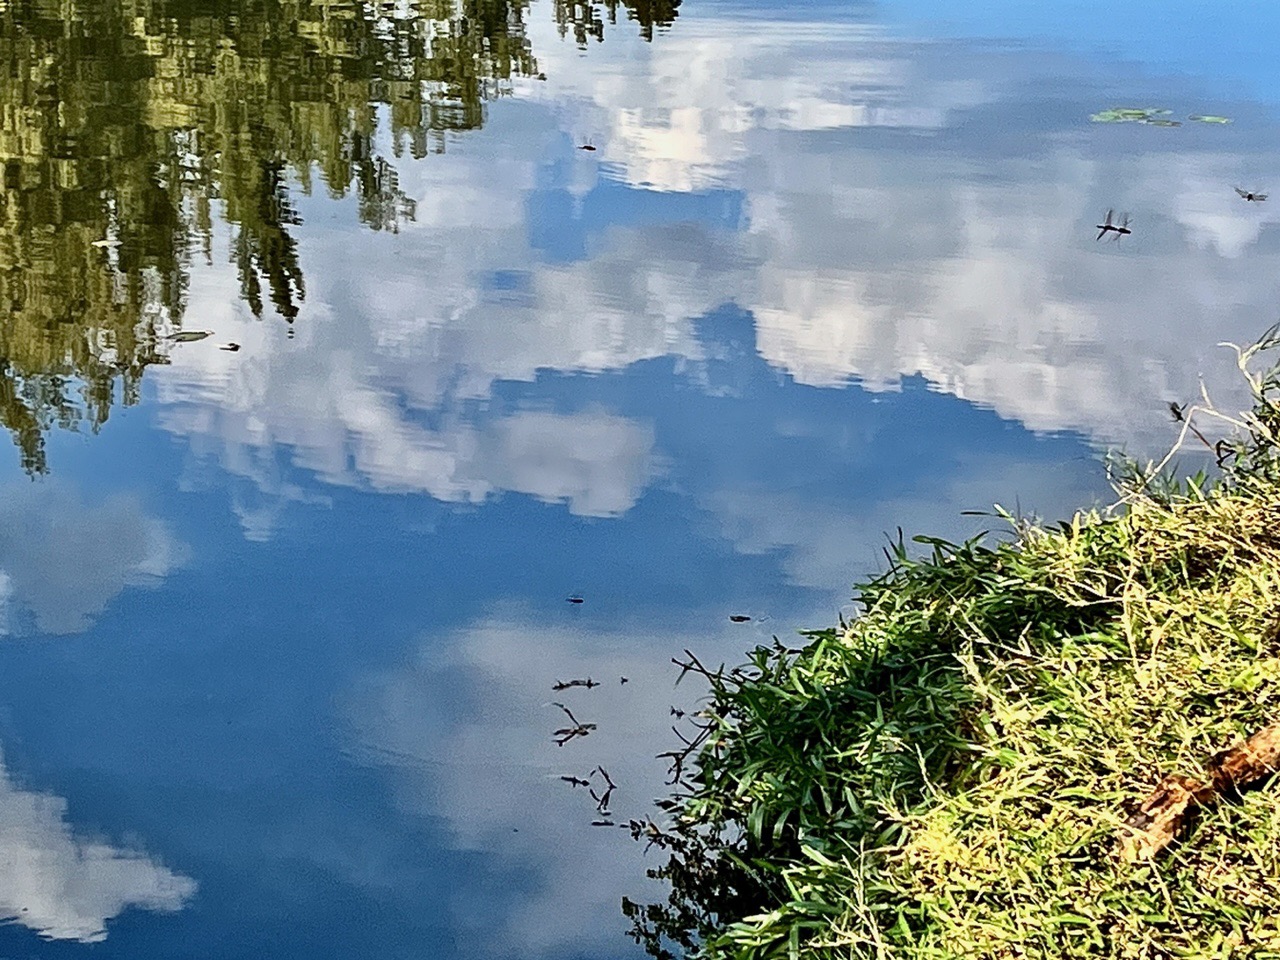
1129, 115
188, 336
1157, 122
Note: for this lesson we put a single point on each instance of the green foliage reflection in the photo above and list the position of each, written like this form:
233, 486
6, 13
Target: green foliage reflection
128, 126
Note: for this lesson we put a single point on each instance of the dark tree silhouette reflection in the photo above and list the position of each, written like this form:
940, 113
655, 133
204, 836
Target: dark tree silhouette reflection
585, 19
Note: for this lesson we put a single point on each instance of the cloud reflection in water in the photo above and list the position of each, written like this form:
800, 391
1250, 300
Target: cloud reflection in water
63, 560
66, 887
866, 253
462, 730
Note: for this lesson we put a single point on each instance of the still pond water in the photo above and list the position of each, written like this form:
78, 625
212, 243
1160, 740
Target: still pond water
281, 623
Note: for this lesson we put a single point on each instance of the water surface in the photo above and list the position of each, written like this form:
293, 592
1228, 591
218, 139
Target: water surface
281, 622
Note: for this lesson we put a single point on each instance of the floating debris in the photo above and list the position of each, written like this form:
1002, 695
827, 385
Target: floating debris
189, 336
1252, 197
574, 599
230, 347
587, 146
739, 617
1134, 115
622, 680
576, 781
1151, 116
105, 244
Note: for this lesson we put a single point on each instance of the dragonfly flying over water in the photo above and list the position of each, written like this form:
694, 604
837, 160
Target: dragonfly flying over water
1250, 196
1120, 229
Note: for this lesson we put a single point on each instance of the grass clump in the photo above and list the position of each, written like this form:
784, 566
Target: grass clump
946, 775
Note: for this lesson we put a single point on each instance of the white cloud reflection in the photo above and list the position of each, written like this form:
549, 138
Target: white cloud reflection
352, 432
686, 113
63, 560
486, 693
66, 887
910, 208
964, 255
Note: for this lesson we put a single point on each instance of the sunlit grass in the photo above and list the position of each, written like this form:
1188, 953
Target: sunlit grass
947, 774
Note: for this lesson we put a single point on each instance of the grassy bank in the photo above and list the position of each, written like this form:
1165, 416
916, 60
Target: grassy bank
948, 775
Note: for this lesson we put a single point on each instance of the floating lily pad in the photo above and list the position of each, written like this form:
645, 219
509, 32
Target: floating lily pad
189, 336
1200, 118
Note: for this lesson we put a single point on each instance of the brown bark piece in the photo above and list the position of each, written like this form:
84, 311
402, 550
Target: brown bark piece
1175, 800
1242, 766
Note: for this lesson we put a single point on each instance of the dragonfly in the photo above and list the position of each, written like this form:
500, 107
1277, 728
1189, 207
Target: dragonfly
1106, 226
602, 800
566, 684
579, 729
1252, 197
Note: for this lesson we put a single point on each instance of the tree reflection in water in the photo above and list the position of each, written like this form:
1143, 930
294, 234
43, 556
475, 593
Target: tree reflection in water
585, 19
129, 124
